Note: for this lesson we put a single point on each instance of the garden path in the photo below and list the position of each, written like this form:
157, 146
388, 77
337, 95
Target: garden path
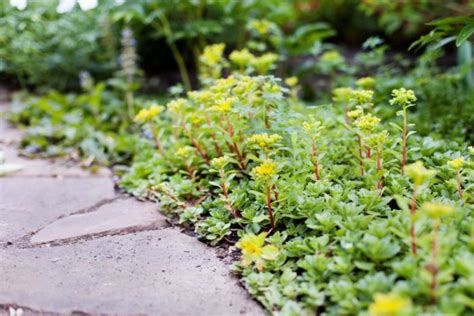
71, 244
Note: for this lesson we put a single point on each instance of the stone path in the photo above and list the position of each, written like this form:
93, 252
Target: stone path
71, 245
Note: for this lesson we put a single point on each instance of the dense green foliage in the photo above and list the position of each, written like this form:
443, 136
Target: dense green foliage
345, 181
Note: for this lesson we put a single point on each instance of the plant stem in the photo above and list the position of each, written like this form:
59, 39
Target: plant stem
379, 168
175, 51
315, 159
235, 214
346, 115
269, 207
404, 141
459, 182
361, 158
412, 221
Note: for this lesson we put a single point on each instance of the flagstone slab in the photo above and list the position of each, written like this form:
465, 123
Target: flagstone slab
120, 214
160, 272
29, 204
48, 168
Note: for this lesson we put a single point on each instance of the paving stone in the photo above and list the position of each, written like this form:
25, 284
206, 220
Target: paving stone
161, 272
28, 204
47, 168
118, 215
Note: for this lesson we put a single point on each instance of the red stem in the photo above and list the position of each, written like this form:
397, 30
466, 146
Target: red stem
315, 158
359, 140
269, 207
379, 168
433, 266
458, 177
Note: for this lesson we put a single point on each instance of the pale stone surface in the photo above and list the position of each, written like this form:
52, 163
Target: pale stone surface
161, 272
47, 168
116, 215
28, 204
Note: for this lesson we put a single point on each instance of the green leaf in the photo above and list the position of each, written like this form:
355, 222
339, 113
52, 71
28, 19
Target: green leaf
465, 33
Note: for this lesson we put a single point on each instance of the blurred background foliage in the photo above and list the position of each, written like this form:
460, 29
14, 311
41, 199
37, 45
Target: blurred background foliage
40, 47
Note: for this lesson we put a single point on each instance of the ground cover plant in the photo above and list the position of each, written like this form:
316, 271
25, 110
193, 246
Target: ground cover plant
342, 179
336, 212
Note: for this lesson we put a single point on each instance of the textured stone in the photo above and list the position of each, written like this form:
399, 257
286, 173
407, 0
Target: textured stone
161, 272
114, 216
47, 168
28, 204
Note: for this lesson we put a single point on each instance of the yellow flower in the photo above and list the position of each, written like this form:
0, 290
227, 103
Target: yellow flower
355, 113
220, 162
403, 97
146, 115
253, 250
367, 123
313, 127
362, 96
377, 140
471, 150
212, 54
176, 106
196, 119
264, 63
291, 81
389, 305
264, 140
342, 95
261, 26
224, 105
436, 209
265, 169
332, 56
456, 163
366, 83
418, 173
241, 58
184, 152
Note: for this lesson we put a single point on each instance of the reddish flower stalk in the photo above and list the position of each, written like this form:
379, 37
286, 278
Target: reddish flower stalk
346, 114
269, 208
315, 159
368, 152
459, 182
361, 157
412, 221
379, 168
267, 118
234, 212
196, 145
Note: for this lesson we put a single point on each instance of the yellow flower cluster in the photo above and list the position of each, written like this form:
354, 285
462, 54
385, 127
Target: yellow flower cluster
355, 113
261, 26
378, 140
266, 169
184, 152
362, 96
437, 210
264, 140
254, 250
177, 106
224, 105
403, 97
312, 127
342, 95
146, 115
212, 54
456, 163
241, 58
418, 173
389, 305
264, 63
366, 83
291, 81
367, 123
220, 162
332, 56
